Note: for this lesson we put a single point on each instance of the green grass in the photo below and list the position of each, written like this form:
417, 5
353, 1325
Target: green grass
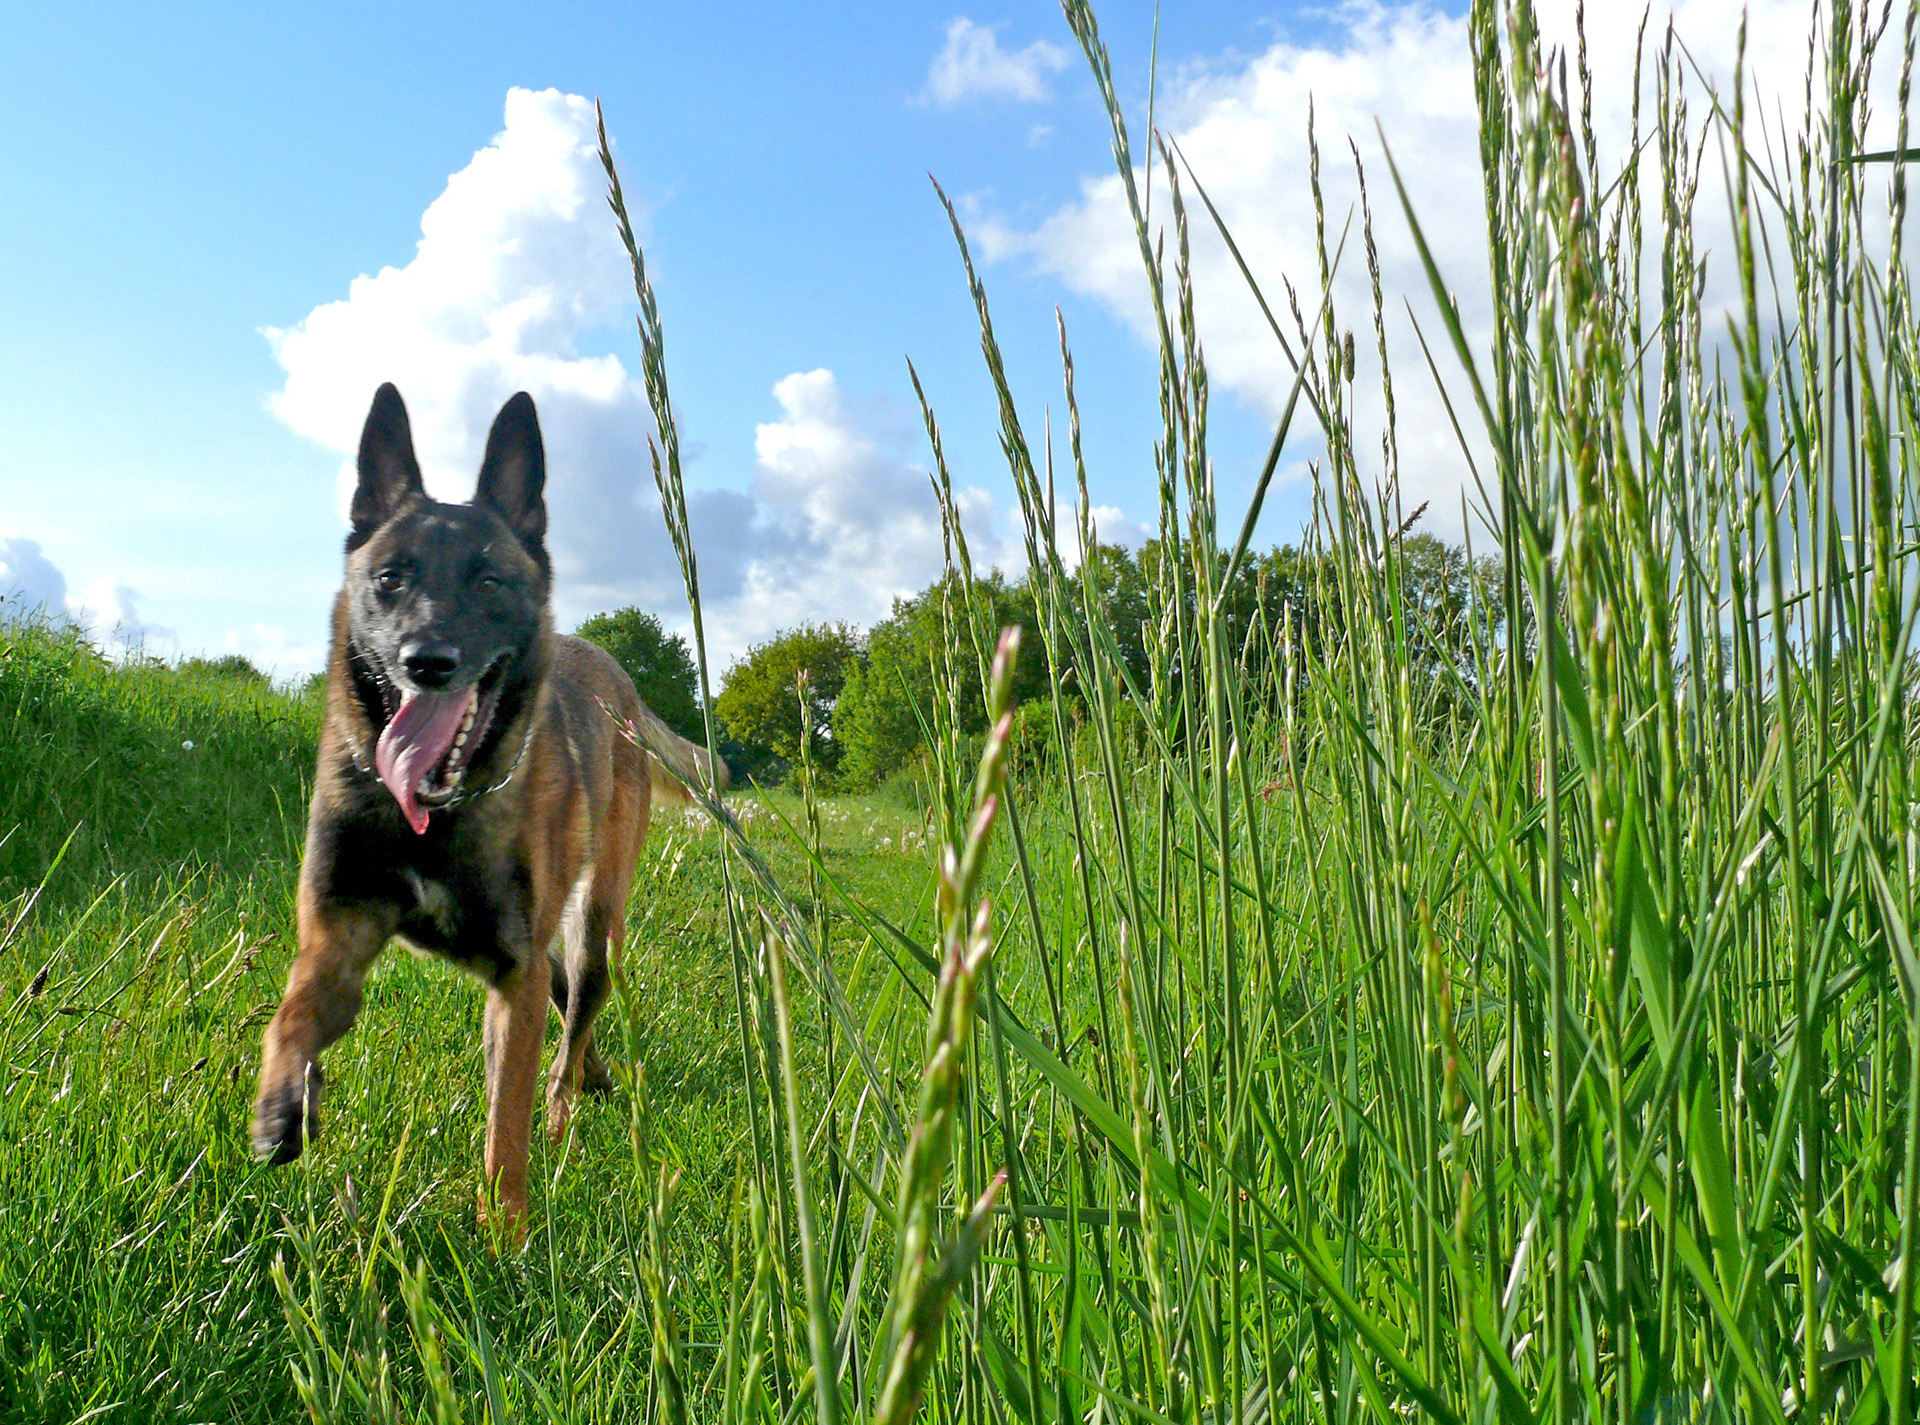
1507, 1021
136, 1250
149, 769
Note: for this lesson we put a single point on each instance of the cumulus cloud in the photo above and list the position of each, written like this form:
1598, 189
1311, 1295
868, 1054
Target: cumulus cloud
270, 646
33, 586
1243, 125
517, 260
29, 581
841, 522
109, 611
1111, 525
973, 66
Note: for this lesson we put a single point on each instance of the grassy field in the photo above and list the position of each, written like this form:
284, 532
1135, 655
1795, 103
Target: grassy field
137, 1248
1503, 1010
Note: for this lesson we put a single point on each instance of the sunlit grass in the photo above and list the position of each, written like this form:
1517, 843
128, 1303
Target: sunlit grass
1512, 1019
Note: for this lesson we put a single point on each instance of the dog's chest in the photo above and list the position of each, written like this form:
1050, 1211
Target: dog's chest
433, 907
455, 922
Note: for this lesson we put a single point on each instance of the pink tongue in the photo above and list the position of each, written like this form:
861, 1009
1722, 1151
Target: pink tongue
413, 744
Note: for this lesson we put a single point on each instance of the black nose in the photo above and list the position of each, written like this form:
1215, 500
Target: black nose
430, 662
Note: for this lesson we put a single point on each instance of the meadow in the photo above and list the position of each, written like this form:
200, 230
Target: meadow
140, 1240
1503, 1009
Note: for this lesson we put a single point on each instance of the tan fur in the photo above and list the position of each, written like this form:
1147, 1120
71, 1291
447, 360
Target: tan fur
575, 816
516, 865
673, 763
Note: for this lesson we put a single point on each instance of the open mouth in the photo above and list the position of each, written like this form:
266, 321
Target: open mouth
431, 739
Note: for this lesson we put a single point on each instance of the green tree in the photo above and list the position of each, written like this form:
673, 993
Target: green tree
1120, 598
760, 704
657, 661
890, 693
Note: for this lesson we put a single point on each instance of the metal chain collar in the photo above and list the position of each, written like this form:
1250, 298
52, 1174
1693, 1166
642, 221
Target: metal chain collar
462, 798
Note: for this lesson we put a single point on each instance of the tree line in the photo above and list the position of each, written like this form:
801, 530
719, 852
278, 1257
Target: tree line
871, 695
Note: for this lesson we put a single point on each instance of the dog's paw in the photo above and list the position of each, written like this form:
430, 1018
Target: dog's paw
286, 1117
596, 1078
502, 1220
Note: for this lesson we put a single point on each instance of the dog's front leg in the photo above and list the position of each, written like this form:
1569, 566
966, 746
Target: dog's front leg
338, 944
516, 1018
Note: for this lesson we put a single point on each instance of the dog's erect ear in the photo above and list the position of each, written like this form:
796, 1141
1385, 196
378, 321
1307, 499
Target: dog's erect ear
513, 477
389, 475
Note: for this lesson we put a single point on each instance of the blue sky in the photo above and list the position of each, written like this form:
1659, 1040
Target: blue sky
185, 181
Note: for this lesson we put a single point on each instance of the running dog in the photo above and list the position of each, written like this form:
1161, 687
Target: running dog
484, 787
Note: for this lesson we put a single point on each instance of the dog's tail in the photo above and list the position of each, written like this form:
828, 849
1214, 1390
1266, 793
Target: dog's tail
673, 763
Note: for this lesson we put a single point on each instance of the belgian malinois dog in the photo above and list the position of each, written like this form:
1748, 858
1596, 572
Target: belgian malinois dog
483, 791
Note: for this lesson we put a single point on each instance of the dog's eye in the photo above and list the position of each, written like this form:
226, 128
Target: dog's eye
489, 582
390, 581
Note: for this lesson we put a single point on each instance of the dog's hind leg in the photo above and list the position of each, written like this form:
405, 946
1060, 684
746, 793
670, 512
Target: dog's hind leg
595, 931
583, 930
594, 1077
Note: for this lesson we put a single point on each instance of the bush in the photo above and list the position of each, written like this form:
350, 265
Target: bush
906, 789
233, 667
152, 770
878, 720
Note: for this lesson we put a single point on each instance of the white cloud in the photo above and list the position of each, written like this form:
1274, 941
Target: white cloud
1243, 126
270, 646
33, 586
29, 581
109, 611
972, 65
517, 260
841, 524
1111, 525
